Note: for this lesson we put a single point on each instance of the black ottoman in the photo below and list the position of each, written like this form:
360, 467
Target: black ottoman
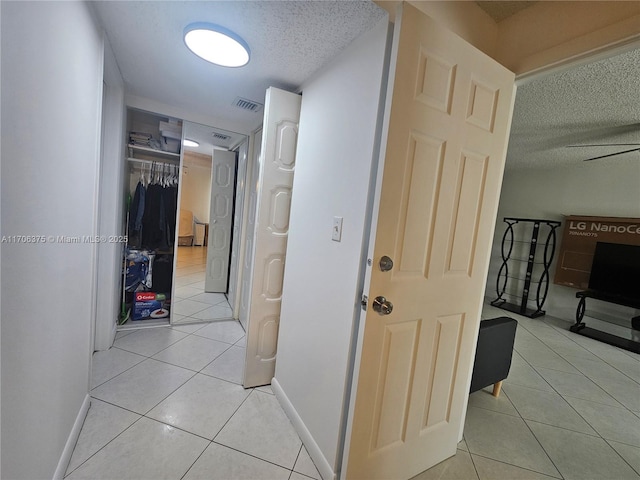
493, 353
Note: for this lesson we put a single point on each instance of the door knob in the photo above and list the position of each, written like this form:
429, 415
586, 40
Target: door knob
382, 306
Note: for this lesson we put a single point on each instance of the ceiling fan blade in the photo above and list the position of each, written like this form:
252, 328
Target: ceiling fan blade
612, 154
605, 145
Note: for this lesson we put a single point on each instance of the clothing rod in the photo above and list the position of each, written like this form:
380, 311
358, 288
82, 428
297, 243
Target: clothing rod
151, 162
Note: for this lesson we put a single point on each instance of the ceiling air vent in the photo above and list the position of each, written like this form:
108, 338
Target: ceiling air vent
248, 105
220, 136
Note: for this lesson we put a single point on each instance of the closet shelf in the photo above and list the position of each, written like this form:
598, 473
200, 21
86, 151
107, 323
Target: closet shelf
148, 151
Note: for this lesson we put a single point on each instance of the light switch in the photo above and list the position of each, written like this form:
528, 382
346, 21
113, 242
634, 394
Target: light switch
336, 233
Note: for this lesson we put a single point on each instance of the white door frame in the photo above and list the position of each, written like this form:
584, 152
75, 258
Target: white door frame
110, 205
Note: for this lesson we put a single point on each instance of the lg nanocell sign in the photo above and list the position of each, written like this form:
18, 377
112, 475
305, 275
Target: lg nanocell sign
579, 242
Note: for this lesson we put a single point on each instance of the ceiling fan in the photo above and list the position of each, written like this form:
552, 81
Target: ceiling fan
636, 149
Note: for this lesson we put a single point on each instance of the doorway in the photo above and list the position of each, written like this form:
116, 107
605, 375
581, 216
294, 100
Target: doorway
201, 199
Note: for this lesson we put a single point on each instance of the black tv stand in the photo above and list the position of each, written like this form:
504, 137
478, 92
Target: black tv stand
581, 329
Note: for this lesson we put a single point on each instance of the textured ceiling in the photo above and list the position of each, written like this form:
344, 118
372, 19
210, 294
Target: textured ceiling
289, 41
596, 103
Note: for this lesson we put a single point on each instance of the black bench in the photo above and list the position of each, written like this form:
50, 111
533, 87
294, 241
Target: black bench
493, 353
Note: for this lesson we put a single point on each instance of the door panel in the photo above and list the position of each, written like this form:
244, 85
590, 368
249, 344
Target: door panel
220, 221
275, 181
252, 202
236, 243
446, 144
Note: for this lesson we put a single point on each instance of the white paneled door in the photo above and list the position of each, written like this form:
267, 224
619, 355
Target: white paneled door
253, 173
236, 243
446, 144
223, 176
275, 181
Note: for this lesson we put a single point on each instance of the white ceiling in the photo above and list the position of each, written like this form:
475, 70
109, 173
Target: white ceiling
290, 40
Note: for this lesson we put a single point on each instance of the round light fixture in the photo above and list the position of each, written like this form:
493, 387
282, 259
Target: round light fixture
216, 44
190, 143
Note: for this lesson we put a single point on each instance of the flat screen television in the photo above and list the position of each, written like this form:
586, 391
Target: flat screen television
616, 270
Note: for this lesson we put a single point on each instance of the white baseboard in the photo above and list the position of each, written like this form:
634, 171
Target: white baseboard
65, 458
321, 463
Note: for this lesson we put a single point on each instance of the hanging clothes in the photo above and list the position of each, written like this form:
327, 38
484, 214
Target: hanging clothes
136, 213
170, 201
152, 212
153, 219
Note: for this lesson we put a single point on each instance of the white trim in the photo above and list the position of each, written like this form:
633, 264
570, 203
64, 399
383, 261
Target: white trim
65, 458
109, 189
582, 58
321, 463
375, 191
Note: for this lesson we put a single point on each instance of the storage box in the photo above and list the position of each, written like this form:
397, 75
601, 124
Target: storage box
170, 145
148, 305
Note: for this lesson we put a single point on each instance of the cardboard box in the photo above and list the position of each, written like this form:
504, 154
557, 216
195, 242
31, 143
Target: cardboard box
150, 305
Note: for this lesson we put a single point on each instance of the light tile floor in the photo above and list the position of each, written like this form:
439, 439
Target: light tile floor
191, 303
167, 403
569, 409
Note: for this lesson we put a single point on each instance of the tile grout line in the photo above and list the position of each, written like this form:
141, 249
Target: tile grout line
556, 426
110, 441
562, 396
472, 461
534, 368
512, 465
529, 428
296, 460
608, 442
543, 449
586, 349
118, 374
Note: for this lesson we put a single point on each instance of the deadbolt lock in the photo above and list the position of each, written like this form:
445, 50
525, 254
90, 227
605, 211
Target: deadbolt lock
386, 263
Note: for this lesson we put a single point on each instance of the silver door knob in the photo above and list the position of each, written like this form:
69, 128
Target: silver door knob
382, 306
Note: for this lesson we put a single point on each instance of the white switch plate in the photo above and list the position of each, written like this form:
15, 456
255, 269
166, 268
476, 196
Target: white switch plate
336, 231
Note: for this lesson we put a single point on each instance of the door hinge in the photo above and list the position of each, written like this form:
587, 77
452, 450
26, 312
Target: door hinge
363, 302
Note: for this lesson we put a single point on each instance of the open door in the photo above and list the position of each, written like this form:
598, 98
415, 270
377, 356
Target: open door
447, 132
275, 181
253, 173
223, 176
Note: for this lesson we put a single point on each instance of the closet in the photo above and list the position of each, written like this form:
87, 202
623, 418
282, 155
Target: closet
152, 176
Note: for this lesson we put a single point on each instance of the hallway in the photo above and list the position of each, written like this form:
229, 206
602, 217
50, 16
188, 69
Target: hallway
168, 403
191, 303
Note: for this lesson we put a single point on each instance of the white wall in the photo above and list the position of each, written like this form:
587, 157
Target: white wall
608, 187
338, 122
51, 97
196, 190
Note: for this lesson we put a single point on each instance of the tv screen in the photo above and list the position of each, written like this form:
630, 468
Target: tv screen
616, 270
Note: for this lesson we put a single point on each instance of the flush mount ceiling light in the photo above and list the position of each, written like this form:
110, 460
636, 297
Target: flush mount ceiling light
216, 44
190, 143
